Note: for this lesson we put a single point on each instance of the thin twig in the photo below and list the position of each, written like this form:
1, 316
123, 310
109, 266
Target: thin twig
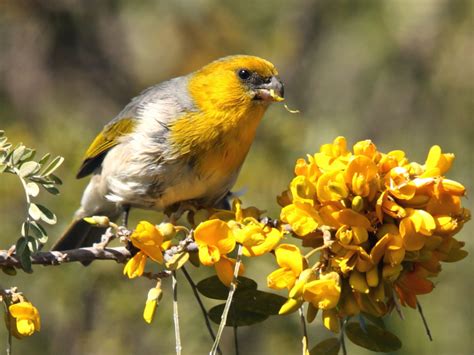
225, 312
398, 306
9, 332
201, 305
236, 340
425, 323
342, 338
305, 331
176, 314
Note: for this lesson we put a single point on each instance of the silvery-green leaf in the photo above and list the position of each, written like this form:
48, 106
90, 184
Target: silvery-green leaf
29, 154
17, 154
29, 168
46, 215
32, 244
52, 166
51, 189
44, 159
32, 189
34, 212
38, 231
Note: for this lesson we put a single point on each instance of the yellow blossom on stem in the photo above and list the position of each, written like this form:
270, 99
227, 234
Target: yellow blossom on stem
302, 218
366, 148
437, 163
333, 156
154, 296
225, 269
24, 319
389, 246
149, 240
290, 260
399, 184
324, 292
415, 228
302, 190
135, 266
256, 238
359, 174
331, 186
309, 170
214, 239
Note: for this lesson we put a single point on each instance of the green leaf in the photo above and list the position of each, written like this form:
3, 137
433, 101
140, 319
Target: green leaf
29, 154
23, 253
236, 317
32, 189
34, 211
29, 168
46, 215
9, 270
377, 321
213, 288
39, 232
375, 339
17, 154
328, 346
37, 212
44, 159
51, 189
20, 246
25, 260
259, 301
32, 244
52, 166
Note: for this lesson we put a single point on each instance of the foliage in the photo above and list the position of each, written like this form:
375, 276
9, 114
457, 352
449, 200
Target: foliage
379, 223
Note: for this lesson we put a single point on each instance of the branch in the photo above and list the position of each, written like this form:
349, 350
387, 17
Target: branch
119, 254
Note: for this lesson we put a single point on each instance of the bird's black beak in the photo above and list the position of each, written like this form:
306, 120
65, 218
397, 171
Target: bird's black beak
271, 90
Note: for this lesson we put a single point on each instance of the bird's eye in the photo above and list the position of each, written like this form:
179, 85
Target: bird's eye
244, 74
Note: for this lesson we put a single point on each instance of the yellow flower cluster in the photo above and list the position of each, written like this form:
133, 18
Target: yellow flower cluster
382, 225
218, 236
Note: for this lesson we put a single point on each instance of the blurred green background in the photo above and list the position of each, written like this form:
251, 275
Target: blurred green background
398, 72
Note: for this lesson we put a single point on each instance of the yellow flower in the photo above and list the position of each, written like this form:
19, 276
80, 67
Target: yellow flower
333, 156
415, 228
366, 148
149, 240
389, 246
391, 160
225, 269
354, 235
154, 296
323, 293
135, 266
398, 182
290, 260
24, 319
437, 163
350, 257
309, 170
360, 174
302, 190
331, 186
386, 204
302, 218
214, 239
256, 238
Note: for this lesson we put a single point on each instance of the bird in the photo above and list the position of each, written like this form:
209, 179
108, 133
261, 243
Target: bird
178, 143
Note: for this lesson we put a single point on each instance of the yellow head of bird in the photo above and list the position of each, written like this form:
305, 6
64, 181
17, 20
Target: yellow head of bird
236, 81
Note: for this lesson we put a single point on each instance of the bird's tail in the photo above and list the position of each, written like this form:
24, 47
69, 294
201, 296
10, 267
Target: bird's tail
78, 235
